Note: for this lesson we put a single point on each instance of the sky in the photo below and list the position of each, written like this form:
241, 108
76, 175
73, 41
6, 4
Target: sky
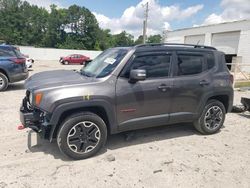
128, 15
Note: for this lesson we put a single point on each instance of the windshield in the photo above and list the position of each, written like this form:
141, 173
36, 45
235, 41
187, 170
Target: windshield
105, 63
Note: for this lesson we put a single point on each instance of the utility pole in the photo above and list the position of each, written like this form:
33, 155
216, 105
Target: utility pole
145, 24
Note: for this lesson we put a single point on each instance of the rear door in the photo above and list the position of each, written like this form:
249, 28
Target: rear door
191, 82
145, 103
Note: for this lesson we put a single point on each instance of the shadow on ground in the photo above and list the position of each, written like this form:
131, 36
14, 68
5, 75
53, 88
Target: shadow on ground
15, 87
117, 141
245, 114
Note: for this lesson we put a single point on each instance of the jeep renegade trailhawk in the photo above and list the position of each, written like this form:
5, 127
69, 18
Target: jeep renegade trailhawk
128, 88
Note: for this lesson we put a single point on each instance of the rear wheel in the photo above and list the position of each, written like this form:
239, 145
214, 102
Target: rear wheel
3, 82
82, 135
212, 118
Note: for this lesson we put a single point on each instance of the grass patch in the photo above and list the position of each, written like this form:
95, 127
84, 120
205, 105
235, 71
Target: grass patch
242, 84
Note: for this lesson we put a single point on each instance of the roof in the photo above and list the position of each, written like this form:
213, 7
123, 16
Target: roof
6, 46
174, 45
210, 25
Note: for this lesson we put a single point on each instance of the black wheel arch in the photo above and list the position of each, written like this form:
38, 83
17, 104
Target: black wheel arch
225, 97
5, 73
100, 108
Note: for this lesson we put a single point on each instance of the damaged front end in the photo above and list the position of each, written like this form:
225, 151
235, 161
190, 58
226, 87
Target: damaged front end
33, 118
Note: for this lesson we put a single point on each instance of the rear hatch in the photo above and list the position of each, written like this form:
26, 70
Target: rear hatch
12, 54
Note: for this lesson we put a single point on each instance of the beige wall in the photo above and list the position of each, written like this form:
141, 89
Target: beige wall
54, 54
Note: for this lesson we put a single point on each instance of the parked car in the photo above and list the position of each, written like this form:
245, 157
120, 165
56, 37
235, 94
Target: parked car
29, 61
129, 88
74, 59
12, 66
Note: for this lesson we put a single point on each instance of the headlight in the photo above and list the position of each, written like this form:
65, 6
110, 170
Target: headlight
30, 98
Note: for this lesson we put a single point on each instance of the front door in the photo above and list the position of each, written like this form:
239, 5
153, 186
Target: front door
145, 103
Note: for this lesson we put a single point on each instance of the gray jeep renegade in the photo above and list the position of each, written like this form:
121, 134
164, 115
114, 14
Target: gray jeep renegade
128, 88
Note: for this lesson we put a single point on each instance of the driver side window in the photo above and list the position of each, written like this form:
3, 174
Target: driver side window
156, 65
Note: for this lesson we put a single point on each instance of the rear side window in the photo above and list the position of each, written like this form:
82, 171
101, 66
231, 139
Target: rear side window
4, 52
210, 61
189, 64
156, 65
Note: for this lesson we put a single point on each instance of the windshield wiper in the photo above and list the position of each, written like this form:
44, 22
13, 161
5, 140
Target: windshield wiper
84, 73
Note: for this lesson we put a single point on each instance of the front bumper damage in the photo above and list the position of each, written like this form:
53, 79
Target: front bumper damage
34, 118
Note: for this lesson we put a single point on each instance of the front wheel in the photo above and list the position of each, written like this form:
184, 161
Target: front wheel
82, 135
212, 118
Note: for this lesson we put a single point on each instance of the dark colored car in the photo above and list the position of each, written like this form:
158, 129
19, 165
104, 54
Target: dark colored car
126, 89
74, 59
12, 66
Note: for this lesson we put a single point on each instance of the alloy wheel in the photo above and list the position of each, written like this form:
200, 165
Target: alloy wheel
213, 117
1, 82
83, 137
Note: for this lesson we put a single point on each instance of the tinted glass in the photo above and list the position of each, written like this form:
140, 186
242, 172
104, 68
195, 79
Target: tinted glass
4, 52
155, 65
210, 60
189, 64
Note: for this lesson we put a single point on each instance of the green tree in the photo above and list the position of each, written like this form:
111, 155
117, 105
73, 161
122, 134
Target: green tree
74, 27
123, 39
154, 39
139, 40
11, 21
82, 28
106, 39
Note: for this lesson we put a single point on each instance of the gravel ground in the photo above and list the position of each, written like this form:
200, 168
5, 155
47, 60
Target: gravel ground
175, 156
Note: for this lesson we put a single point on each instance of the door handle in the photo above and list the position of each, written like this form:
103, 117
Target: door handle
204, 83
164, 87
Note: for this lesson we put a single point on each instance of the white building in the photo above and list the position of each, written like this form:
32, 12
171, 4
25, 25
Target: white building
233, 38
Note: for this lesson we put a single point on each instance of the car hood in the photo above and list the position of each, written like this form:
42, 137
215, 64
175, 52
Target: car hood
56, 78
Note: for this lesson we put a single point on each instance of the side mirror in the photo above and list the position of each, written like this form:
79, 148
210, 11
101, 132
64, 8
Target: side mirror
137, 75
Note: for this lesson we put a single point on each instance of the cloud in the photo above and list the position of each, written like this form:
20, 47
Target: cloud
159, 18
44, 3
232, 10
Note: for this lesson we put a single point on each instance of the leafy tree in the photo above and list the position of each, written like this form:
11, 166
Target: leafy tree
139, 40
11, 21
74, 27
106, 39
123, 39
154, 39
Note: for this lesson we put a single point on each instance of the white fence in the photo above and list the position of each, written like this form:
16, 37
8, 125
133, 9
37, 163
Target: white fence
54, 54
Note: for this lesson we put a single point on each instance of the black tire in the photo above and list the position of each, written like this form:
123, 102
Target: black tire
212, 118
66, 63
74, 130
4, 82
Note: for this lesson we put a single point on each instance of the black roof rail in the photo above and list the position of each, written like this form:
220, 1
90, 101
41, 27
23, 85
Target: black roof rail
176, 44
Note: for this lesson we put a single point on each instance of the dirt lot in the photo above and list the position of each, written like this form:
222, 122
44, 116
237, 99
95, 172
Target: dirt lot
175, 156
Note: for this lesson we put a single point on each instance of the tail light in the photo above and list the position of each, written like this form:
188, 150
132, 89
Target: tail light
231, 78
18, 60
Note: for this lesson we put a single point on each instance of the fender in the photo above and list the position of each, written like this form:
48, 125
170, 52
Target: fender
214, 94
59, 110
4, 71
